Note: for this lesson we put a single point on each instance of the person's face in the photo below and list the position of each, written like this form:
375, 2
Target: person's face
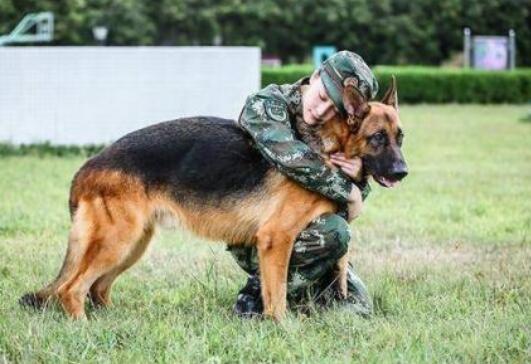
317, 107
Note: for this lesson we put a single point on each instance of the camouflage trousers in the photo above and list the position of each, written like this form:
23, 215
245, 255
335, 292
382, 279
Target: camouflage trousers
311, 269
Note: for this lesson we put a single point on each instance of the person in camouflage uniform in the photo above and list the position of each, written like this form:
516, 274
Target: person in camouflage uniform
269, 117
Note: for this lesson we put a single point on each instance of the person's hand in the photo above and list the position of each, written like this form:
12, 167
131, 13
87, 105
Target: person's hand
351, 167
355, 203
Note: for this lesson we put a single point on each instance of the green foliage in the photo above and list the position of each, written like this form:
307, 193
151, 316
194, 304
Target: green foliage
128, 20
383, 32
422, 84
46, 149
285, 74
434, 84
445, 256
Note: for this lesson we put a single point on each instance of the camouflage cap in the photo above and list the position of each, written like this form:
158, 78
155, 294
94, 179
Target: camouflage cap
345, 64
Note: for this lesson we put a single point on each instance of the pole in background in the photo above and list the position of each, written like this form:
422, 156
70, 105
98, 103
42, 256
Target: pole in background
466, 47
512, 49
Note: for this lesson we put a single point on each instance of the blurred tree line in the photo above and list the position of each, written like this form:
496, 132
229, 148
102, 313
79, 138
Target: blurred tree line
383, 32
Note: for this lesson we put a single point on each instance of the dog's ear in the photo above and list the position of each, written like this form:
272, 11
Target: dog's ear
355, 103
391, 95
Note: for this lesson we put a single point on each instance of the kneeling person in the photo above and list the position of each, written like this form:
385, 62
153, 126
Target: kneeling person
268, 117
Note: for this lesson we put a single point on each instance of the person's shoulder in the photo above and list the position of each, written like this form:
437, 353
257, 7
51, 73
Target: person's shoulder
270, 92
270, 103
280, 92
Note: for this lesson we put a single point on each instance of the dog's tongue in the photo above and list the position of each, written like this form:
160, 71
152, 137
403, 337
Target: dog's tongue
389, 183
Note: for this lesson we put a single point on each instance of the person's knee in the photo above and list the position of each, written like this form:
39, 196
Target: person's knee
338, 234
246, 257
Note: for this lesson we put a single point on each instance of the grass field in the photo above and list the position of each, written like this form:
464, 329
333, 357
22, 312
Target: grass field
446, 256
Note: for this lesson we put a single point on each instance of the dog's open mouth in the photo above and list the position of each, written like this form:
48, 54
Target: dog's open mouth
386, 182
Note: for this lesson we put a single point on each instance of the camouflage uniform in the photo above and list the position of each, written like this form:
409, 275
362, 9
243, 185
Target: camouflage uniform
269, 117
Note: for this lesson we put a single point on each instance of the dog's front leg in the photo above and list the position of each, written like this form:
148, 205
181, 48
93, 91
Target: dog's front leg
274, 252
341, 275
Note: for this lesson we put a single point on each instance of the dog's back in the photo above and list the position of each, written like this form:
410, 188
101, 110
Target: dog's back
195, 159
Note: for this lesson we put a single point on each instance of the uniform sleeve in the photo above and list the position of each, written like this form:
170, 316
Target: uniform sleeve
265, 118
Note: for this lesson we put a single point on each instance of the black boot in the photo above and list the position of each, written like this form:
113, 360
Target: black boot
249, 302
358, 300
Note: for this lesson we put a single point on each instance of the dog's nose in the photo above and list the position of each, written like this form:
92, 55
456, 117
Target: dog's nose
399, 170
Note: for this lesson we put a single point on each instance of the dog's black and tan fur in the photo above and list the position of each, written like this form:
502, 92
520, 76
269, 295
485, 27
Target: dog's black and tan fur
204, 172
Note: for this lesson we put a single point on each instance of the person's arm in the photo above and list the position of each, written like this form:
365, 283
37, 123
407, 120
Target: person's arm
265, 118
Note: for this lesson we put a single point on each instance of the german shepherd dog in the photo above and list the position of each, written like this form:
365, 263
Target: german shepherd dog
205, 172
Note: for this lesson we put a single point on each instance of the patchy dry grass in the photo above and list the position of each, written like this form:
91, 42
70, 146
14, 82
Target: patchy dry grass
446, 257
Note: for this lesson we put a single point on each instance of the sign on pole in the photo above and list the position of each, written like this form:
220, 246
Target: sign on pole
321, 54
489, 52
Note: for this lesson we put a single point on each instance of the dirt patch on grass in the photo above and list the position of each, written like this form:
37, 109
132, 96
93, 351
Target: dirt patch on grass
457, 258
397, 258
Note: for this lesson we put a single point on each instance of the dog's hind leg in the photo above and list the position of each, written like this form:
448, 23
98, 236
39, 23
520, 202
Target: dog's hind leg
100, 292
77, 245
109, 241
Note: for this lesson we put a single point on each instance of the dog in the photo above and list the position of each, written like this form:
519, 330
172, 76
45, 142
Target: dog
205, 172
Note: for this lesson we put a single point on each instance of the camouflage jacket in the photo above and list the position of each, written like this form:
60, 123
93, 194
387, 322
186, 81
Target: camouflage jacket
270, 116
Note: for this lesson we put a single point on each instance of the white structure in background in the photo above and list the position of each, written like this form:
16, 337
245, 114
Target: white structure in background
33, 28
86, 95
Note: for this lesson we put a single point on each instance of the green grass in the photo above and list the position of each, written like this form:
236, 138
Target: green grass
446, 256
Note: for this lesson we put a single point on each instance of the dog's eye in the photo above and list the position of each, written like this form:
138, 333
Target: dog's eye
399, 138
378, 139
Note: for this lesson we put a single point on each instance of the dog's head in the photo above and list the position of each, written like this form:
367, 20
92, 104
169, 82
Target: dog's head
371, 131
